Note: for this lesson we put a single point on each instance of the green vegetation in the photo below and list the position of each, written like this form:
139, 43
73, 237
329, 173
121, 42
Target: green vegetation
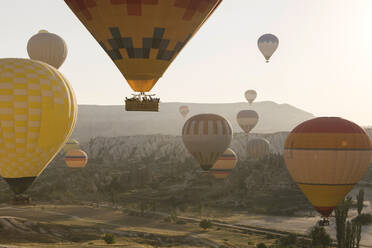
363, 219
150, 185
205, 224
341, 214
289, 240
360, 200
109, 238
147, 185
349, 233
140, 187
261, 245
319, 237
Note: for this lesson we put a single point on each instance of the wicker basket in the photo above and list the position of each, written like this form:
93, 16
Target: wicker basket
131, 105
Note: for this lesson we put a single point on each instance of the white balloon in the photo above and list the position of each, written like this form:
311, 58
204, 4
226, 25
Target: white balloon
268, 43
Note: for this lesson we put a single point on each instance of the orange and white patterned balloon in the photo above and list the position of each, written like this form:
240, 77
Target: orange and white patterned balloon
224, 164
76, 159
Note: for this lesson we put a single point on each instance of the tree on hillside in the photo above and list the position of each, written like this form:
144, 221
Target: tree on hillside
349, 233
112, 189
358, 220
360, 200
319, 237
205, 224
341, 214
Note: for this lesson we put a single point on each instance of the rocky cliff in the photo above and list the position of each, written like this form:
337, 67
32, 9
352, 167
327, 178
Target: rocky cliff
164, 147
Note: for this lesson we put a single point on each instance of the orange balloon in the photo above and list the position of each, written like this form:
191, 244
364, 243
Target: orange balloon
142, 37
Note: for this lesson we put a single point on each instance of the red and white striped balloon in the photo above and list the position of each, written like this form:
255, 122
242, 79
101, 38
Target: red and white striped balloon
247, 120
206, 137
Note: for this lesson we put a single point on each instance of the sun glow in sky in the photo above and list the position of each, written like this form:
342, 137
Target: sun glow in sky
323, 64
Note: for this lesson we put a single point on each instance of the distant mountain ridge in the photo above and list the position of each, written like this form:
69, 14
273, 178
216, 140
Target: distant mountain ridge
113, 121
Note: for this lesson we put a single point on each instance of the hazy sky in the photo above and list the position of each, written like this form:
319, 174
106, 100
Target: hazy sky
323, 64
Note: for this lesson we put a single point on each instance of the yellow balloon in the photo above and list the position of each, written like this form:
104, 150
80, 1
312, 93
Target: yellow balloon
37, 114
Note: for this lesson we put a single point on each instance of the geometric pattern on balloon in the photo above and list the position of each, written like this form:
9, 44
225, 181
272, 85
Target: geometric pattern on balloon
157, 42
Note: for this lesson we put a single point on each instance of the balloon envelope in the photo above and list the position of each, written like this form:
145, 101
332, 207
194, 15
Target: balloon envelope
37, 114
258, 148
47, 47
247, 120
250, 95
268, 43
72, 144
76, 158
143, 37
224, 164
184, 110
326, 157
206, 137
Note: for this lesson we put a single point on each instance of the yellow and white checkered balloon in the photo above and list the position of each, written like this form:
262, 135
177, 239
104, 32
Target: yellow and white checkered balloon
37, 115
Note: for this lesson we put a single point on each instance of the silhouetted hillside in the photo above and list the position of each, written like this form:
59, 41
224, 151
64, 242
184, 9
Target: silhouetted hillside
113, 121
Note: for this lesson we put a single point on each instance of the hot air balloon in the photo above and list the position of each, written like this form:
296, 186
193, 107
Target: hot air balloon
184, 110
143, 37
250, 95
37, 113
76, 159
224, 164
206, 137
326, 157
47, 47
258, 148
247, 120
72, 144
268, 43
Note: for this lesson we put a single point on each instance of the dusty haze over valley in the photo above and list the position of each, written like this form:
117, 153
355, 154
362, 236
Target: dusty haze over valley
110, 121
